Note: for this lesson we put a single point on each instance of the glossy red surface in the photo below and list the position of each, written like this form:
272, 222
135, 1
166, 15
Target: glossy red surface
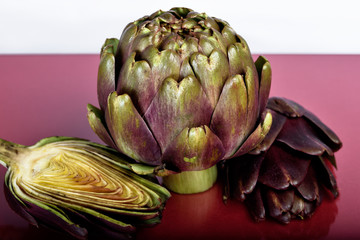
46, 95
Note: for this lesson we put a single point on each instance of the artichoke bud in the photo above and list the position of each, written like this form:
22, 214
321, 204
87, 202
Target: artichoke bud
77, 186
181, 70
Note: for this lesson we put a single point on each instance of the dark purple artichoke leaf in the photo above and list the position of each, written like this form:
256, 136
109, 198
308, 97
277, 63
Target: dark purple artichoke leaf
243, 175
303, 209
286, 107
295, 168
299, 135
279, 204
255, 205
325, 175
309, 188
313, 136
283, 167
328, 136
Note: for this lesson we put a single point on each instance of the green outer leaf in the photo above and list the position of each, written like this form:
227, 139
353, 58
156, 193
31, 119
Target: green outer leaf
230, 115
106, 73
256, 137
264, 71
97, 124
194, 148
136, 80
212, 73
252, 86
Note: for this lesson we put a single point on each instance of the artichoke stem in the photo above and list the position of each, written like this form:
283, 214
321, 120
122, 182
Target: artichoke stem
190, 182
8, 151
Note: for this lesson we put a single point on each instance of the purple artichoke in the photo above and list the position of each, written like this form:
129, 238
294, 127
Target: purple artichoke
284, 176
180, 91
76, 186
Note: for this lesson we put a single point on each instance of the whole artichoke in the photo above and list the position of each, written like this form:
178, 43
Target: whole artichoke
283, 177
180, 91
73, 185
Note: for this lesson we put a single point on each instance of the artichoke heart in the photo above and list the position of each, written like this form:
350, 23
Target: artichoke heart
78, 186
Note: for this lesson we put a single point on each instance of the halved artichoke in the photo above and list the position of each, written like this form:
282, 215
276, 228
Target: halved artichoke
284, 176
74, 185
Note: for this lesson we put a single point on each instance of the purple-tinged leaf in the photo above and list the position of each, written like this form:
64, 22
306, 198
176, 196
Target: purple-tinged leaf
196, 148
129, 131
278, 121
243, 174
212, 73
135, 80
282, 167
229, 118
141, 79
256, 137
325, 176
286, 107
329, 137
279, 204
309, 188
255, 204
300, 135
298, 206
176, 106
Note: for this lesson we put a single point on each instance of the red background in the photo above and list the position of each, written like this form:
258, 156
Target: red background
46, 95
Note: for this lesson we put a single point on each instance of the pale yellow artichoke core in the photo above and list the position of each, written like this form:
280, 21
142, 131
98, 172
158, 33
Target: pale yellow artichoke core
56, 173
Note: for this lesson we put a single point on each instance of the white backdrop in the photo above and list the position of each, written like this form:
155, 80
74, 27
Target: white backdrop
279, 26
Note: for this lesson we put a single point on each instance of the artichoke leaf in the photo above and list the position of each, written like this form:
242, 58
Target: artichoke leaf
199, 149
264, 72
173, 109
106, 74
230, 114
97, 124
130, 132
257, 136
